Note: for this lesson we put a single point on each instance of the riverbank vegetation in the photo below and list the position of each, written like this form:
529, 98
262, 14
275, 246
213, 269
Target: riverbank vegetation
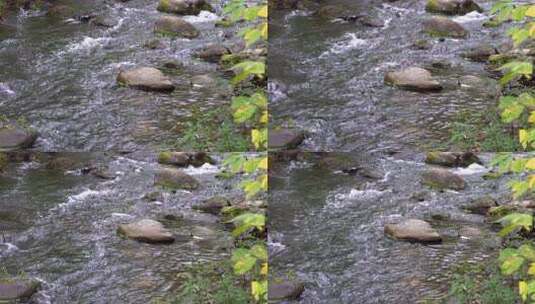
516, 261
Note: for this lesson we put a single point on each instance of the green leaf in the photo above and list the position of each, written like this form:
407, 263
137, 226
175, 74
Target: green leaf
260, 252
242, 261
527, 251
511, 264
248, 221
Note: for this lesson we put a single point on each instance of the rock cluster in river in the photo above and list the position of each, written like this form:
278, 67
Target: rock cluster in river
184, 7
175, 26
452, 7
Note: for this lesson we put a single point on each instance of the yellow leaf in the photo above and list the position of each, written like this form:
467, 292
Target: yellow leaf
264, 30
531, 11
264, 182
531, 270
264, 118
532, 30
263, 12
263, 164
530, 164
531, 118
264, 269
523, 137
523, 290
531, 182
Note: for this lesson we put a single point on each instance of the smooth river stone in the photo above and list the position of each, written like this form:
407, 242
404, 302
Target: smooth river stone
413, 79
14, 137
146, 78
11, 290
285, 139
147, 231
413, 230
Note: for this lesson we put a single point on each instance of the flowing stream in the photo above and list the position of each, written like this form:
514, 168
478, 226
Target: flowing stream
327, 76
60, 76
60, 226
327, 229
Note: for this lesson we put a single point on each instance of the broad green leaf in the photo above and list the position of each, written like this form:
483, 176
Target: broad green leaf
243, 261
511, 265
527, 251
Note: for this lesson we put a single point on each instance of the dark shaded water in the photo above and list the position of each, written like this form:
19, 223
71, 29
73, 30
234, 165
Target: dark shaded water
60, 77
60, 227
327, 77
327, 229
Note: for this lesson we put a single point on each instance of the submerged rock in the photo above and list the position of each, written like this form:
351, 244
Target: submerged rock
442, 179
452, 7
60, 11
184, 159
481, 205
285, 291
413, 79
17, 289
285, 139
184, 7
480, 53
422, 44
175, 179
175, 26
103, 21
146, 230
332, 11
444, 27
413, 230
452, 159
213, 205
212, 52
15, 137
146, 78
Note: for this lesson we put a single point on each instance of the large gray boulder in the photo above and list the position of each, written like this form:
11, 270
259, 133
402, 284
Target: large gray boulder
281, 139
175, 179
15, 137
175, 26
17, 289
287, 290
452, 7
444, 27
441, 179
413, 79
146, 78
413, 230
147, 231
184, 7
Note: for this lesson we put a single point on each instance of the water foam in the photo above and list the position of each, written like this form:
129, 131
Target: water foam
88, 44
349, 42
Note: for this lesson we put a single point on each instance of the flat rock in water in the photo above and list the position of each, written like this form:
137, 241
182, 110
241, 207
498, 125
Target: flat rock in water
175, 26
213, 52
443, 179
451, 159
213, 205
146, 78
480, 53
285, 291
146, 230
444, 27
12, 290
184, 7
15, 137
175, 179
481, 205
413, 230
452, 7
179, 159
413, 79
285, 139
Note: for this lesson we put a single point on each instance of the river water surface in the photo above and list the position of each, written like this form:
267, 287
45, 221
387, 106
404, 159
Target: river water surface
59, 75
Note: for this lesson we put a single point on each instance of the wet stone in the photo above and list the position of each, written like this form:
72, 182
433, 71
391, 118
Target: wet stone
285, 291
147, 231
16, 289
285, 139
146, 78
413, 230
413, 79
441, 179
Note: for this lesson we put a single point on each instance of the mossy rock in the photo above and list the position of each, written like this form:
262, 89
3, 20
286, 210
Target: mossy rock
452, 7
175, 179
175, 27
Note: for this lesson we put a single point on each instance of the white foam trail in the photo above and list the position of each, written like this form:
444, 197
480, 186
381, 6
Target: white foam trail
9, 247
206, 168
204, 16
350, 42
4, 88
472, 169
470, 17
88, 43
83, 196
